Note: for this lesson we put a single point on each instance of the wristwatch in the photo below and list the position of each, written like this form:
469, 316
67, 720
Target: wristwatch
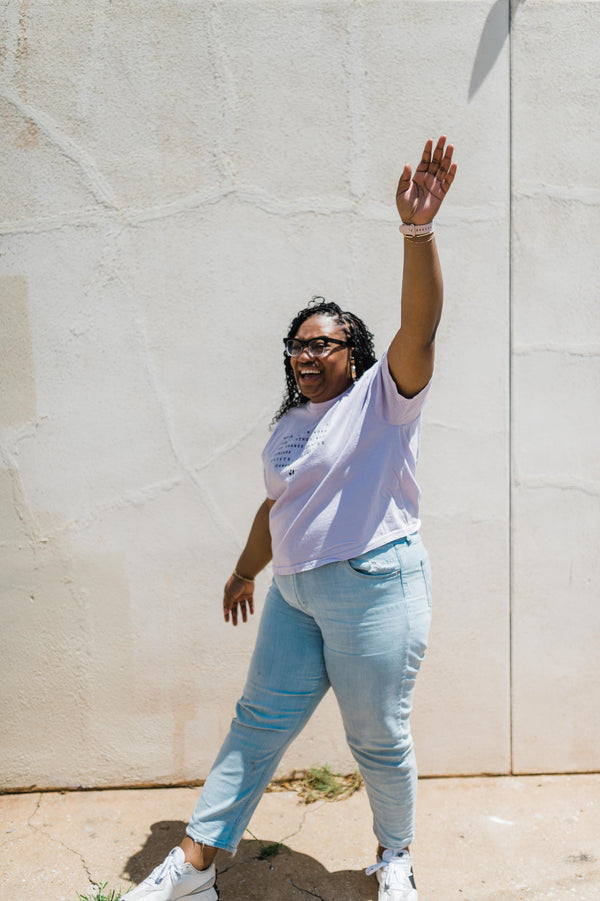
411, 230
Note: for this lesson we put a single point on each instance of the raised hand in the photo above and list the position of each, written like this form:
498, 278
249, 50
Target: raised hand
419, 197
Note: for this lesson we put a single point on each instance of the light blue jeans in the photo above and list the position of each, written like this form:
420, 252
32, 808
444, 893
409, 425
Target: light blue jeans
361, 627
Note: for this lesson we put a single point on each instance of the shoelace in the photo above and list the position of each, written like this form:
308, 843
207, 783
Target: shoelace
169, 867
396, 874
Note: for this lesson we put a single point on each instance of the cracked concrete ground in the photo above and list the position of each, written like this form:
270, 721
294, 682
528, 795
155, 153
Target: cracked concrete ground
479, 839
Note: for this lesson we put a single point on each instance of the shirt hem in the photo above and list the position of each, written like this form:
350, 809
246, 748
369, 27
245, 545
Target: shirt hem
294, 568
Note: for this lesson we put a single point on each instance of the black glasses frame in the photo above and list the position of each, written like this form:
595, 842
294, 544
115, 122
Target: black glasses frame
306, 345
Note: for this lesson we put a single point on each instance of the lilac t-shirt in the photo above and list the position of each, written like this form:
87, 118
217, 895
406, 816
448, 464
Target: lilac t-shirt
342, 473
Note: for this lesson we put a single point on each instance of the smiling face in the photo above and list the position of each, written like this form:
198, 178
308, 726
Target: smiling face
323, 378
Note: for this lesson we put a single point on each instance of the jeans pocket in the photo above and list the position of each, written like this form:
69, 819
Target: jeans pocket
426, 570
416, 584
380, 562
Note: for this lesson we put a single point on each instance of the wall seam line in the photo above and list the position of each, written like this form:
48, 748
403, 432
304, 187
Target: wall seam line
510, 390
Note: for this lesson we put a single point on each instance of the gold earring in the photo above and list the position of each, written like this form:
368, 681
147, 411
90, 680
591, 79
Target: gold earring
352, 369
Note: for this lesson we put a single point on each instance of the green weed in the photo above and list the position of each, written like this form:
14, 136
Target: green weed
320, 782
268, 849
98, 893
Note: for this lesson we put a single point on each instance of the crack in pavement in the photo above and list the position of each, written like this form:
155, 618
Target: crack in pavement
57, 841
306, 891
302, 821
297, 831
225, 869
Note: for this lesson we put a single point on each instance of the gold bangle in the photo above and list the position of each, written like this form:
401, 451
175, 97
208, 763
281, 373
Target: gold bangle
242, 578
420, 239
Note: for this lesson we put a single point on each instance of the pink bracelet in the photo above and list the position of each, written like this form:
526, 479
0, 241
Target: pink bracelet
410, 230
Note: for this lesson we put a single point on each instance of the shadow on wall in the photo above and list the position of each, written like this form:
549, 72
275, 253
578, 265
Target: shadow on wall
262, 870
492, 40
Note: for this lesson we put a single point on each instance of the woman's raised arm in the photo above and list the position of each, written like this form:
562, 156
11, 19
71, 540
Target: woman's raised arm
418, 199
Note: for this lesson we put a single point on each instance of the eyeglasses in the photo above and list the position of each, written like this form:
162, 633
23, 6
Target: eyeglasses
316, 347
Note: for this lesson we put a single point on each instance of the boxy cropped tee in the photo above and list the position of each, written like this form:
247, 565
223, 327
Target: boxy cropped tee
342, 473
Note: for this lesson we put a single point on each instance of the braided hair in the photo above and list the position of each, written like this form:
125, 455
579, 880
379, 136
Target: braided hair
359, 337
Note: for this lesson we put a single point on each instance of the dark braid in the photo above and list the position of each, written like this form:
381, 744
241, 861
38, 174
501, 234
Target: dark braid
361, 344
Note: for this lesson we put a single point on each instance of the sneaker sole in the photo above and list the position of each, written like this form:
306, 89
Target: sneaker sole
206, 894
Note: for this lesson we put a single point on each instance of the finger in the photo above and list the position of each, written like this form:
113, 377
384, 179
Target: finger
441, 176
251, 605
405, 180
426, 158
244, 611
234, 614
438, 155
450, 175
448, 178
447, 159
439, 147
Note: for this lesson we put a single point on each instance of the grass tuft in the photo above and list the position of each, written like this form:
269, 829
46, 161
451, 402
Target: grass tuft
268, 849
320, 783
99, 893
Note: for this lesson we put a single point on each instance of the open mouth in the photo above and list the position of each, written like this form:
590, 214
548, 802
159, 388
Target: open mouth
308, 374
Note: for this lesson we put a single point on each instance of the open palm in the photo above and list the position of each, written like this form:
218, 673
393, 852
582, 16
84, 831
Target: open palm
419, 197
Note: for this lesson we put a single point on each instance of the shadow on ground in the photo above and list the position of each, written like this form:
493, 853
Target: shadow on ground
163, 836
260, 871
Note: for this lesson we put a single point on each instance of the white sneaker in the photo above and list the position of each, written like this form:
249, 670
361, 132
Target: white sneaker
395, 876
176, 880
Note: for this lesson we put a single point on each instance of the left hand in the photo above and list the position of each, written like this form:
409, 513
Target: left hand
419, 198
237, 591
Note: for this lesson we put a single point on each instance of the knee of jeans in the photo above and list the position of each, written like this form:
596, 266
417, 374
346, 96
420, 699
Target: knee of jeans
380, 735
396, 754
254, 716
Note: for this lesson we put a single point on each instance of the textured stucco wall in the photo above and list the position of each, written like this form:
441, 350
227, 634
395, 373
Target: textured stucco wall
556, 389
176, 180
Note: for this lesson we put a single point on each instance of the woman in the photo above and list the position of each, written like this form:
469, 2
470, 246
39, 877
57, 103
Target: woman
349, 605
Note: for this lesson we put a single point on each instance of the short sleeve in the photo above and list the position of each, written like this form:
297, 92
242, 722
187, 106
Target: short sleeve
390, 404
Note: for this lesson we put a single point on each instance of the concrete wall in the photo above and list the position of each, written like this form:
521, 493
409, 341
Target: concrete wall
556, 389
177, 179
